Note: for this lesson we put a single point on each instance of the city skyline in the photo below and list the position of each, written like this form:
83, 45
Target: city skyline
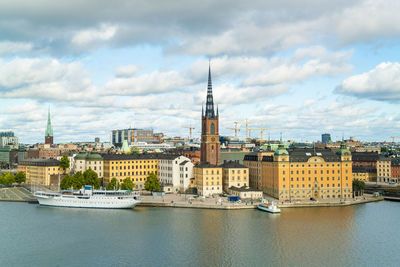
327, 68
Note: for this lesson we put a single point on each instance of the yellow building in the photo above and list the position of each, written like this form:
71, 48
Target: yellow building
41, 171
301, 174
208, 179
253, 162
136, 167
364, 173
234, 175
383, 169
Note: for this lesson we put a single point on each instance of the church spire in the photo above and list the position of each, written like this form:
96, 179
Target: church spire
210, 102
49, 129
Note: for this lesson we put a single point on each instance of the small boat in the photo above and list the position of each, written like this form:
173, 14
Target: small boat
269, 207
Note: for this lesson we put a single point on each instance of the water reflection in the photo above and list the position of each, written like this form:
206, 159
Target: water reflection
356, 235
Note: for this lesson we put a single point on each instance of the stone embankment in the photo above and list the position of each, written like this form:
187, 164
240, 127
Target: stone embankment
16, 194
360, 200
176, 201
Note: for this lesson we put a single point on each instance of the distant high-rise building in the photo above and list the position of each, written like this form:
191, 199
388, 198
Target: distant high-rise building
48, 137
210, 145
7, 139
326, 138
134, 135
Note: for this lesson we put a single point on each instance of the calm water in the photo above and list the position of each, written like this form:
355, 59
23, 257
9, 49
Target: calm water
364, 235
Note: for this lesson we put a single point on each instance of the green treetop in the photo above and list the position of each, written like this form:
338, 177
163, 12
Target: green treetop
127, 184
64, 162
152, 183
113, 184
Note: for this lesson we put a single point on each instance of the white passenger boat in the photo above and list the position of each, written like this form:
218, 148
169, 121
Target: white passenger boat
269, 207
89, 198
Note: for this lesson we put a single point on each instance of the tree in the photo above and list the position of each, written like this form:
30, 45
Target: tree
358, 187
78, 180
152, 183
7, 179
134, 150
127, 184
113, 184
91, 178
20, 177
66, 182
64, 162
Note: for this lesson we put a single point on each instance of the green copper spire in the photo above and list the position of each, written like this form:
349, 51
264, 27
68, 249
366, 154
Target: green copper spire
49, 129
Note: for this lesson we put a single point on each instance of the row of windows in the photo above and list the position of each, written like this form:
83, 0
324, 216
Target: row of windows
238, 178
309, 185
132, 173
137, 167
316, 165
212, 171
212, 183
315, 179
129, 162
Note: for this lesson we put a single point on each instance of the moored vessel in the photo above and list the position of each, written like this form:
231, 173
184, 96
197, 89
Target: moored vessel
269, 207
89, 198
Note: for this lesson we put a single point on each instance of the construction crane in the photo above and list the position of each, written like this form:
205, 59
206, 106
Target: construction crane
263, 129
236, 128
247, 128
393, 137
190, 130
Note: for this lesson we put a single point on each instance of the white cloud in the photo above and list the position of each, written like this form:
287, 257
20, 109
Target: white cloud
88, 36
381, 83
155, 82
126, 71
12, 48
47, 78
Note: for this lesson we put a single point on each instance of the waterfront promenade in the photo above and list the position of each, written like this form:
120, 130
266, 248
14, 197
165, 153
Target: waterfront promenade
21, 194
182, 201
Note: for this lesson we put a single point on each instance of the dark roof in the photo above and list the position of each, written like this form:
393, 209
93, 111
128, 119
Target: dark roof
395, 162
183, 162
303, 154
108, 157
232, 164
251, 156
244, 189
206, 165
40, 162
365, 156
384, 158
363, 169
268, 158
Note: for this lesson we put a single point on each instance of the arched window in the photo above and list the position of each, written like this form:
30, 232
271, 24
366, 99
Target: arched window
212, 128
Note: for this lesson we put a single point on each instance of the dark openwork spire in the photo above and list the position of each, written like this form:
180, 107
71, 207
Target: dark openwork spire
210, 102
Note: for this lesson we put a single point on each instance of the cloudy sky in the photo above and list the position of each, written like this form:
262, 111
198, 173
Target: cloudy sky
306, 66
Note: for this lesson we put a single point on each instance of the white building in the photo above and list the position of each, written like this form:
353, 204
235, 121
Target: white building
11, 141
175, 172
147, 146
92, 160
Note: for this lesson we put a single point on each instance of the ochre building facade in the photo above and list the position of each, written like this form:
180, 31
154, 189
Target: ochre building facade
303, 174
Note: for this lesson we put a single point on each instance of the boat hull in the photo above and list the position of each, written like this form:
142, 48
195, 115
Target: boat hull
268, 209
93, 202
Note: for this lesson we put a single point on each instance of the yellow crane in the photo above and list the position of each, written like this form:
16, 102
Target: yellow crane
247, 128
236, 128
190, 130
263, 129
